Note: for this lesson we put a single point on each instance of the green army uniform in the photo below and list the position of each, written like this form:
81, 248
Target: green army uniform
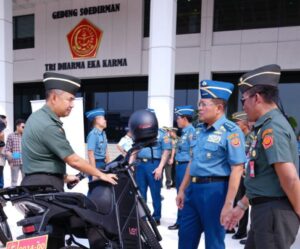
275, 142
46, 144
274, 223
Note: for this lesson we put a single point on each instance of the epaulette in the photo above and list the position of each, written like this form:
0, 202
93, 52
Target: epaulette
229, 126
267, 120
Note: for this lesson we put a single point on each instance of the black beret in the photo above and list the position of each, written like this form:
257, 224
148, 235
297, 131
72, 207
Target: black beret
63, 82
267, 75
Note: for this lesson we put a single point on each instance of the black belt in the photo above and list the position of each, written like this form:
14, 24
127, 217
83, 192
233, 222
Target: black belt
144, 160
47, 174
207, 179
99, 160
181, 162
264, 199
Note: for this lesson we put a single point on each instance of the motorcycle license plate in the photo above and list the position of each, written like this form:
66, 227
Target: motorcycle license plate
39, 242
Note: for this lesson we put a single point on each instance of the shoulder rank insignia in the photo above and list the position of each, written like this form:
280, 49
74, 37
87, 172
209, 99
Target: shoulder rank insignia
229, 126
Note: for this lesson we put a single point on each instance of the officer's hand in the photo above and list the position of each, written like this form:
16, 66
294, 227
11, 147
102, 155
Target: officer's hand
171, 161
231, 220
157, 173
180, 199
111, 178
71, 179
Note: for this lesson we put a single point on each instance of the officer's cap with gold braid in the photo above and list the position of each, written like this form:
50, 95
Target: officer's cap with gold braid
239, 116
210, 89
267, 75
63, 82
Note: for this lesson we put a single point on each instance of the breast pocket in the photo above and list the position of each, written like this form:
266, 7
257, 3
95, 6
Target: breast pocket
210, 151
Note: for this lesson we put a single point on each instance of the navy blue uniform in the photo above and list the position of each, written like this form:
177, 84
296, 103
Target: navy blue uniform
215, 150
144, 171
183, 156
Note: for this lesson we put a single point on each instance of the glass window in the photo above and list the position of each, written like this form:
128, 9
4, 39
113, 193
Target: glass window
23, 32
252, 14
188, 17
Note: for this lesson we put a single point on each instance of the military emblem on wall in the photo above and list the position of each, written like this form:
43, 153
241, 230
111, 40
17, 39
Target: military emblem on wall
84, 39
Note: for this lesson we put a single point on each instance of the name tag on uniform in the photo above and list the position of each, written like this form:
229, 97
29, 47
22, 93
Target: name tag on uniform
214, 138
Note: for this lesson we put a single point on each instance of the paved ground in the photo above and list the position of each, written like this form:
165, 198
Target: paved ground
170, 238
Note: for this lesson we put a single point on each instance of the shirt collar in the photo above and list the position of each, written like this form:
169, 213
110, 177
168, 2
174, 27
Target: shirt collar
186, 128
216, 125
52, 115
266, 116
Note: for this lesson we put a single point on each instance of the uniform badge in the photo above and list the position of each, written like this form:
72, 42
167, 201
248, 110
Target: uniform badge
267, 141
267, 131
204, 83
235, 142
214, 138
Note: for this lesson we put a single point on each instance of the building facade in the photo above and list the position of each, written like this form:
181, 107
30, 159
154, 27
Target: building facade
133, 54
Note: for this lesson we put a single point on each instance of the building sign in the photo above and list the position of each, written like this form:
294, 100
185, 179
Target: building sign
84, 39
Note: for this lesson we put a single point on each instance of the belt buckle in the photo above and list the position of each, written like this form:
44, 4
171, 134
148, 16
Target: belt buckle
194, 179
176, 162
145, 160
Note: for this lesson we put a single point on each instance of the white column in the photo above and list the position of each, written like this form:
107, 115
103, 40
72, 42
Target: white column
6, 61
162, 59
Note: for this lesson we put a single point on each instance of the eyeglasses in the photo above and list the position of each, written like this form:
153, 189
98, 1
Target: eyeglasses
243, 100
202, 104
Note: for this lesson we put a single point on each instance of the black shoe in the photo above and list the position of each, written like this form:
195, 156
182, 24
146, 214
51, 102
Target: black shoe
157, 222
230, 231
173, 227
243, 241
239, 235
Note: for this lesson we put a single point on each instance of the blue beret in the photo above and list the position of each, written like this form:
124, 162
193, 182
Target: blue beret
186, 110
268, 75
210, 89
94, 113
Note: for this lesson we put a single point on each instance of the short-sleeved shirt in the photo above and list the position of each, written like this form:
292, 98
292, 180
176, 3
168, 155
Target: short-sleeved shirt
183, 152
97, 142
163, 143
44, 143
216, 148
126, 143
274, 141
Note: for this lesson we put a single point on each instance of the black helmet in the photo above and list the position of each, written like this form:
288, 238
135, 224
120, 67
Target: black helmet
143, 126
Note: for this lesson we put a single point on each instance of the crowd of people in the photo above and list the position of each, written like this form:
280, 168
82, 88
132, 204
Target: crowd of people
219, 165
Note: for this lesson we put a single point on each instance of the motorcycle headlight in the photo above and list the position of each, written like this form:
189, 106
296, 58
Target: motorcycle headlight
26, 207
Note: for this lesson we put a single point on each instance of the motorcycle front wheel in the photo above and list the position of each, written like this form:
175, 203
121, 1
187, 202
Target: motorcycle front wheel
149, 240
5, 233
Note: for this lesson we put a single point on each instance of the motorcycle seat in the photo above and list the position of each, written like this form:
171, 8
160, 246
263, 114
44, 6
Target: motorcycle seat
76, 199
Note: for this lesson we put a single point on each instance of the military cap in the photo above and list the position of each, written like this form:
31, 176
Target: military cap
186, 110
94, 113
268, 75
210, 89
239, 116
63, 82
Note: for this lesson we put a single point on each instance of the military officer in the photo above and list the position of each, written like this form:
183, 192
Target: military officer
45, 149
184, 118
214, 171
96, 139
241, 119
272, 182
149, 170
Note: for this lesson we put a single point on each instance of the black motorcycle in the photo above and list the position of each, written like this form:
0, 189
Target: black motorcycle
110, 217
5, 233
